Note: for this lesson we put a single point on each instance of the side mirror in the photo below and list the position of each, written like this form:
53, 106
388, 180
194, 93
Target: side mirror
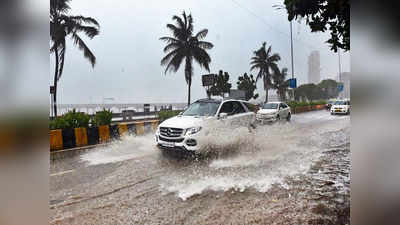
223, 115
180, 114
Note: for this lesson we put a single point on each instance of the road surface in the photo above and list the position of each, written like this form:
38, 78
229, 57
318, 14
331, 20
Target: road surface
287, 173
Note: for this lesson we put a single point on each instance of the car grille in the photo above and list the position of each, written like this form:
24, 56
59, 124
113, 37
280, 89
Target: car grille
171, 132
171, 140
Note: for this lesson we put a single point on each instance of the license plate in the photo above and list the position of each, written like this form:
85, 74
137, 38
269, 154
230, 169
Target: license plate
168, 144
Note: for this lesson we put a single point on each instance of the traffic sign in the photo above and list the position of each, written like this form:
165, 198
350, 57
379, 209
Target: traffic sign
340, 87
292, 83
208, 80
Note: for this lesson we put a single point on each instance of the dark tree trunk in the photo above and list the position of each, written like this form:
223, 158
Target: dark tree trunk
55, 83
266, 89
188, 75
189, 85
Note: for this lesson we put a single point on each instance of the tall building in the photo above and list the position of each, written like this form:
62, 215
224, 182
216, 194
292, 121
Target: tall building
314, 67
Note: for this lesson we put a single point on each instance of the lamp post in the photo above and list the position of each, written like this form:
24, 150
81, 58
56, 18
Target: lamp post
291, 51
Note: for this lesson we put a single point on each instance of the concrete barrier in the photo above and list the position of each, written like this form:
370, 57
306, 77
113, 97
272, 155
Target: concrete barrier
140, 128
80, 138
123, 129
56, 140
308, 108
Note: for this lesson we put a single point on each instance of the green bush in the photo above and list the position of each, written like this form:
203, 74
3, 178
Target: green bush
58, 123
294, 104
103, 117
71, 119
165, 114
76, 119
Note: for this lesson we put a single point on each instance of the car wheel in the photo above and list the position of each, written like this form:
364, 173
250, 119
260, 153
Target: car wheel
289, 116
278, 118
332, 113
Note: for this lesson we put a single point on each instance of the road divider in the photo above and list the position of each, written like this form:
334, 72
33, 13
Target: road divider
61, 139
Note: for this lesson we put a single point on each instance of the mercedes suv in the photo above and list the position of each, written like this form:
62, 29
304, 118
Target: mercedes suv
190, 128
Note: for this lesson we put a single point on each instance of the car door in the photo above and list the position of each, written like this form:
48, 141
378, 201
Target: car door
235, 112
282, 111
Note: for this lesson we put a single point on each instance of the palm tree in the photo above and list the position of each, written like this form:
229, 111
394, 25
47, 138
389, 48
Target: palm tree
63, 25
184, 46
265, 63
280, 83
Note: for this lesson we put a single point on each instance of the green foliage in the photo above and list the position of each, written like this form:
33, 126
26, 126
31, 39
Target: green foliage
296, 104
185, 46
58, 123
76, 119
222, 84
103, 117
165, 114
265, 62
72, 119
321, 15
280, 83
330, 88
310, 92
248, 84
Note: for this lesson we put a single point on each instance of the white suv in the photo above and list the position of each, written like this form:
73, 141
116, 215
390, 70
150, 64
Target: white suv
188, 129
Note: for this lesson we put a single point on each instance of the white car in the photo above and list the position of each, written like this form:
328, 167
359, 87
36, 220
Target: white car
187, 130
273, 111
341, 107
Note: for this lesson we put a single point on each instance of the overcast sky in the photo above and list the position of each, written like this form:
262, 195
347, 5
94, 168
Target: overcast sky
129, 51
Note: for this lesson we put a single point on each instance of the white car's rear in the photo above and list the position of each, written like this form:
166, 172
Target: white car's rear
273, 111
341, 107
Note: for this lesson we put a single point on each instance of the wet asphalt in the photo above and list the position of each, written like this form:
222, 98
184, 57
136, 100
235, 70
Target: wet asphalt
284, 173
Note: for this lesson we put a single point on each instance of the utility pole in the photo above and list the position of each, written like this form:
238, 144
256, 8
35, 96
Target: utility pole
340, 71
291, 50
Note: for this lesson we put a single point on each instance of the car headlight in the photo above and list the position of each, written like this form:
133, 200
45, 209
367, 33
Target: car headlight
192, 130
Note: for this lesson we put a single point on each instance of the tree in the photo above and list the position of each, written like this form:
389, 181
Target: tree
321, 14
330, 88
222, 84
309, 91
265, 62
248, 84
63, 25
184, 46
280, 83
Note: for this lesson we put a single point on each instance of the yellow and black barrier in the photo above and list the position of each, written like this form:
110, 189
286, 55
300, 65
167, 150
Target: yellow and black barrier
79, 137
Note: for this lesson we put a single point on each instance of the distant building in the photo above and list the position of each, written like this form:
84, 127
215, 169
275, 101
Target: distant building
345, 78
314, 67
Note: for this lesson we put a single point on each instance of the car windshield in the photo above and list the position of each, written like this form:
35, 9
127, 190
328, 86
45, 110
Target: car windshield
201, 109
270, 106
340, 103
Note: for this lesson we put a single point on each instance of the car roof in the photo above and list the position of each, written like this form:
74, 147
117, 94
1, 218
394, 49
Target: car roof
209, 100
213, 100
276, 102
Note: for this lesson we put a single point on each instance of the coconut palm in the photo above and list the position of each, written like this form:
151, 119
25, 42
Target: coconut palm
280, 83
183, 46
266, 63
63, 25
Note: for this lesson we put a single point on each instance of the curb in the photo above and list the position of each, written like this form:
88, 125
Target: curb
60, 154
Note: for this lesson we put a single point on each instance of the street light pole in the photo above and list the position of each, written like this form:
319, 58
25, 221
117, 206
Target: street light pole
340, 71
291, 50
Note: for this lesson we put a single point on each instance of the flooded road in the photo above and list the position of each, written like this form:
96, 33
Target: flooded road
287, 173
